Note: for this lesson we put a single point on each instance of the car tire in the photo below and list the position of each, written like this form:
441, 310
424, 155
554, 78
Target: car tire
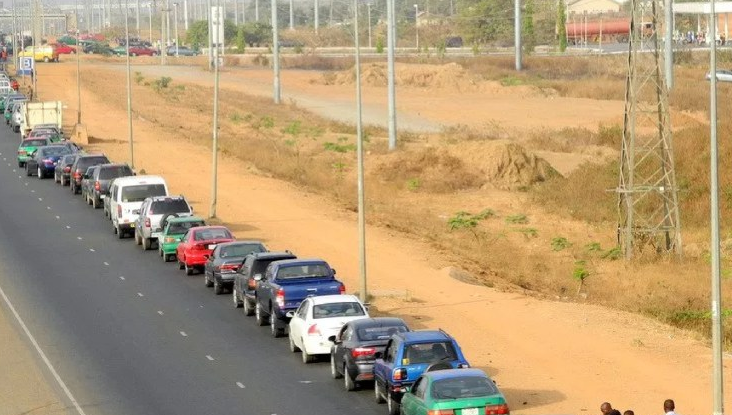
189, 270
207, 282
293, 347
306, 357
235, 297
166, 257
95, 204
378, 398
274, 330
248, 310
180, 265
146, 244
218, 288
258, 315
334, 368
28, 172
348, 383
120, 233
392, 406
40, 174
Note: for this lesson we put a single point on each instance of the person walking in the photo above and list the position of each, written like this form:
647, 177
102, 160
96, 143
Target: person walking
669, 407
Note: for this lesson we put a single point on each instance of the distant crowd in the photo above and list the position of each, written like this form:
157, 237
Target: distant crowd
668, 408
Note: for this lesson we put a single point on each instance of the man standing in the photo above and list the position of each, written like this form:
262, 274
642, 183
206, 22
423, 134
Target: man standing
607, 409
669, 407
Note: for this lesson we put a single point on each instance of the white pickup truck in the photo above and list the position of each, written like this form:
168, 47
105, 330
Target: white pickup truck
35, 113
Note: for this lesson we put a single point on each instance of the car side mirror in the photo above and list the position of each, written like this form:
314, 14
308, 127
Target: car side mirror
333, 339
378, 355
257, 277
290, 314
334, 271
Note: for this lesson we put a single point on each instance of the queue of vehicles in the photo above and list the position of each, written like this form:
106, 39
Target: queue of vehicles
415, 372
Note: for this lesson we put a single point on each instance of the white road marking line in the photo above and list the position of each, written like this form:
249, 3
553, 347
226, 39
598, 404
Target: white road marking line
40, 199
68, 227
306, 381
48, 207
43, 355
92, 250
78, 237
20, 177
58, 217
32, 191
122, 278
209, 357
160, 312
106, 263
183, 333
239, 384
140, 295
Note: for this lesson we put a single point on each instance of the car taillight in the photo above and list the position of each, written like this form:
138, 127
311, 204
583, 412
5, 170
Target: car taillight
399, 374
342, 289
362, 352
119, 210
21, 152
67, 169
47, 161
201, 247
501, 409
440, 412
97, 186
147, 222
280, 298
77, 175
229, 267
313, 330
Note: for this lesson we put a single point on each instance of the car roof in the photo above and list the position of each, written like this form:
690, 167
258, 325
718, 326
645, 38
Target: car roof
246, 242
121, 181
423, 336
455, 373
302, 261
171, 197
90, 156
203, 228
273, 255
336, 298
378, 322
186, 219
110, 165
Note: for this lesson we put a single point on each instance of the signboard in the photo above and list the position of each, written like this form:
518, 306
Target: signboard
217, 25
26, 65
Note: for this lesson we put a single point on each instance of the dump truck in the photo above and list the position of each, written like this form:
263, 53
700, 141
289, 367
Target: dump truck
37, 113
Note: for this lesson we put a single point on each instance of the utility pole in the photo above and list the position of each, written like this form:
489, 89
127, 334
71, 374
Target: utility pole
210, 34
236, 12
175, 18
391, 41
368, 8
256, 10
363, 292
416, 26
668, 45
149, 7
185, 14
517, 32
292, 15
78, 65
129, 88
137, 17
275, 53
316, 20
215, 147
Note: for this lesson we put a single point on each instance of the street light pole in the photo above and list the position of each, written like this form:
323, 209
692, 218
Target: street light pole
215, 146
185, 14
391, 88
78, 66
292, 14
275, 54
363, 293
210, 34
175, 6
149, 6
129, 88
416, 25
368, 8
316, 19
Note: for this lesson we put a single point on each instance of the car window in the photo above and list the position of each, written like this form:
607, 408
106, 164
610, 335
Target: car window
34, 142
138, 193
379, 333
209, 234
301, 310
419, 387
110, 172
185, 236
463, 387
429, 352
342, 334
162, 207
55, 151
240, 250
389, 353
303, 271
268, 273
342, 309
183, 227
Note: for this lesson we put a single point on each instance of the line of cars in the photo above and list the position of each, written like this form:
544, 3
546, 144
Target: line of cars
415, 372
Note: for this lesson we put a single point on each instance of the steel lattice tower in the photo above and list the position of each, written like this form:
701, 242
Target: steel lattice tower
648, 208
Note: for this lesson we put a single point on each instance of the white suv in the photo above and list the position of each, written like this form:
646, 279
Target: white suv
153, 212
125, 199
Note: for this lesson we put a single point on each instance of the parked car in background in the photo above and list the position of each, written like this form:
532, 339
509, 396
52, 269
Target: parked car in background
44, 130
126, 195
181, 51
102, 178
197, 244
44, 160
319, 318
87, 183
10, 106
62, 173
173, 230
454, 391
356, 344
406, 357
45, 53
28, 147
7, 99
63, 49
254, 265
79, 167
223, 263
153, 212
723, 75
285, 284
142, 51
97, 49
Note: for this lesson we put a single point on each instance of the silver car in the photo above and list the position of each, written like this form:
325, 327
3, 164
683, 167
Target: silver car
153, 214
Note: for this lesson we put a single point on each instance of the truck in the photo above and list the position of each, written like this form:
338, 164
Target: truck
37, 113
285, 284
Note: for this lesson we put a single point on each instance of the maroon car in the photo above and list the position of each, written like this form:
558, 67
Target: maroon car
142, 51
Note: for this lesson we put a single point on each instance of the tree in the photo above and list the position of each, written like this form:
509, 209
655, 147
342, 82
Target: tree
197, 34
562, 25
529, 37
486, 21
240, 41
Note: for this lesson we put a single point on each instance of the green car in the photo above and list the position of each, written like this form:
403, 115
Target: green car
7, 98
454, 392
29, 146
173, 231
120, 50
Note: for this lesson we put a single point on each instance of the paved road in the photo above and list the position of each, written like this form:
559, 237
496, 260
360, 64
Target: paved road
130, 334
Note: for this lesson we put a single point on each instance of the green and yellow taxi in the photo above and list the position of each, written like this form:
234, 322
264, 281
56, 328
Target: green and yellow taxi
454, 392
28, 147
173, 230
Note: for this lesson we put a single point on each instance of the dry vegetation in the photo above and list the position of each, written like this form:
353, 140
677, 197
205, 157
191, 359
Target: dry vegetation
487, 204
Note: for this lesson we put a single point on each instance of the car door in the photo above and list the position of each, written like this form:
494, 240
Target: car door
298, 320
140, 221
211, 260
413, 401
181, 248
343, 343
241, 281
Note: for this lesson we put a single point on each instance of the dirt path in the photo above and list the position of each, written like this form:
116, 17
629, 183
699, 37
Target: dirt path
547, 356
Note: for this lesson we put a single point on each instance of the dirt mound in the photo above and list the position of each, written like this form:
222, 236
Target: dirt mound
499, 164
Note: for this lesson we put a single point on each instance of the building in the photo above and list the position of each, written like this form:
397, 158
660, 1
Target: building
593, 6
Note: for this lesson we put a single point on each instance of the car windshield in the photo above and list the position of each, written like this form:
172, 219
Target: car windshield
111, 172
34, 143
429, 353
69, 159
138, 193
303, 271
240, 250
463, 387
209, 234
182, 227
55, 151
86, 162
379, 333
162, 207
344, 309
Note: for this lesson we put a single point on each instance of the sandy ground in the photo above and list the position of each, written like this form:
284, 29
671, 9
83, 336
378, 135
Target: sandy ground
547, 356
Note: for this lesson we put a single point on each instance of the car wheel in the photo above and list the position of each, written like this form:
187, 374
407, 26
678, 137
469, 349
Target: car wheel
28, 172
180, 265
39, 173
120, 233
218, 288
258, 315
348, 383
166, 257
378, 398
95, 204
73, 52
274, 330
293, 347
235, 297
306, 358
207, 282
248, 311
189, 270
146, 244
392, 406
334, 368
20, 164
133, 54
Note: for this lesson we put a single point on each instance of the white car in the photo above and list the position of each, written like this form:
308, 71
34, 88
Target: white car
723, 75
321, 317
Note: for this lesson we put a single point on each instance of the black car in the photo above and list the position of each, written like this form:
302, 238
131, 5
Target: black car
87, 183
44, 161
225, 260
102, 178
353, 350
244, 283
97, 49
62, 173
79, 168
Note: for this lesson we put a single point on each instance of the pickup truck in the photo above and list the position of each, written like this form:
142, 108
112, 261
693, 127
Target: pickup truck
285, 284
406, 357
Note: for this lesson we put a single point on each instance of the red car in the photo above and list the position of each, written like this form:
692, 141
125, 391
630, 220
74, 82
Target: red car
64, 49
142, 51
197, 245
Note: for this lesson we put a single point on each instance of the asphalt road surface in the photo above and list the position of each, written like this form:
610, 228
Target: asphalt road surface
130, 334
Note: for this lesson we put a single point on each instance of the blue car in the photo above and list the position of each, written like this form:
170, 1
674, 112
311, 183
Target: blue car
406, 357
44, 160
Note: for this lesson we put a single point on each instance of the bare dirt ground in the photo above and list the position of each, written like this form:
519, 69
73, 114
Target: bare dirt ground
547, 356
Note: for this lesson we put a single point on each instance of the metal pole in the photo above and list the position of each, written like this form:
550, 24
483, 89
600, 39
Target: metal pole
14, 42
129, 89
167, 22
151, 39
78, 78
137, 17
668, 46
215, 146
256, 10
390, 40
363, 293
317, 16
368, 8
176, 28
33, 50
292, 15
209, 13
717, 380
416, 25
236, 12
185, 14
275, 53
517, 32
